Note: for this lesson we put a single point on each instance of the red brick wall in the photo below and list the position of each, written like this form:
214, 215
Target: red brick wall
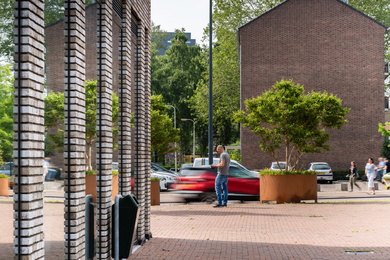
325, 46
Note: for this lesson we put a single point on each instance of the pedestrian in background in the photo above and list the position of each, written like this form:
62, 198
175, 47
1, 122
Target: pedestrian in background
353, 175
381, 169
370, 172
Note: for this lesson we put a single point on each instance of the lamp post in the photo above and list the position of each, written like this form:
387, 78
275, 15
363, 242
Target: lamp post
193, 148
211, 84
174, 123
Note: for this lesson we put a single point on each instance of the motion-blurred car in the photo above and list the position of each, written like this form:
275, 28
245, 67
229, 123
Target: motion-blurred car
204, 162
167, 177
324, 172
199, 184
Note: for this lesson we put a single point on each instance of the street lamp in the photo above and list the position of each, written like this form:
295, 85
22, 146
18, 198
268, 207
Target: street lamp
193, 149
174, 123
211, 84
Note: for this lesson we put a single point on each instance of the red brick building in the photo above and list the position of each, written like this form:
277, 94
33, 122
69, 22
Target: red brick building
325, 45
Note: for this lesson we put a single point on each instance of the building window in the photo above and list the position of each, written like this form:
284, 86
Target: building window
386, 103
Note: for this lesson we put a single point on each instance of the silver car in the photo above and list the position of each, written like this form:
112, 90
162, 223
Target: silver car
324, 172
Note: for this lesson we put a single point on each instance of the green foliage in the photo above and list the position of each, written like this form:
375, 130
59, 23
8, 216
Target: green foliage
55, 116
380, 11
154, 179
90, 172
227, 17
386, 147
175, 76
163, 134
115, 172
6, 112
235, 155
342, 174
3, 176
285, 117
269, 172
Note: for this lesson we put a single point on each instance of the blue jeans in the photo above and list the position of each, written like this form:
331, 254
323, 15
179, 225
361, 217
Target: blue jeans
379, 175
221, 180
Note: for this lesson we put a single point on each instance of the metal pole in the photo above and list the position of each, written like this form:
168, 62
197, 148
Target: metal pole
193, 148
210, 86
174, 123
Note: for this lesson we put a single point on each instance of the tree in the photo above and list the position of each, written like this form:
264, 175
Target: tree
175, 76
6, 112
227, 17
55, 115
285, 117
163, 134
54, 11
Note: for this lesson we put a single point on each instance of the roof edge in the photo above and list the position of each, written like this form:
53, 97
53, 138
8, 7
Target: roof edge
353, 8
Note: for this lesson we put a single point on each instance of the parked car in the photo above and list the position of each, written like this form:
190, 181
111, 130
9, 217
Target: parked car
158, 168
275, 166
163, 180
7, 169
184, 167
199, 184
324, 172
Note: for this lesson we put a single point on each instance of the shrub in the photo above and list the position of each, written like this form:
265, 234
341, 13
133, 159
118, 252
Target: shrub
154, 179
3, 176
269, 172
342, 175
90, 172
115, 172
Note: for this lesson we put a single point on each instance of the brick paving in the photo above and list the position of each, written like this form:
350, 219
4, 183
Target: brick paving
244, 231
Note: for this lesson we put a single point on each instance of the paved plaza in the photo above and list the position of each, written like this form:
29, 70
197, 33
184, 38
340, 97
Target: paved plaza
342, 225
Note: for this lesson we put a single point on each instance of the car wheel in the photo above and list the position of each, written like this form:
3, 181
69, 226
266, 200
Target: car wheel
209, 197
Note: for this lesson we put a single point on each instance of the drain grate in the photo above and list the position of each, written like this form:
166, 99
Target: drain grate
360, 252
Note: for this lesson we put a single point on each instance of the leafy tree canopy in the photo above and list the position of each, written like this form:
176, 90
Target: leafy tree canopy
54, 118
287, 117
163, 134
6, 111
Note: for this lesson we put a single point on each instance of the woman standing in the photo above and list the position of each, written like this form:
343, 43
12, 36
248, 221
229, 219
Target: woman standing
353, 174
370, 172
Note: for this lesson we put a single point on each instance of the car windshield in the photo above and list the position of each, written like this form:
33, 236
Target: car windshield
320, 167
275, 165
157, 167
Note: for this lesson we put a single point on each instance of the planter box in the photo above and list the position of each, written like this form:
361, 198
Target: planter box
154, 193
288, 188
4, 188
90, 186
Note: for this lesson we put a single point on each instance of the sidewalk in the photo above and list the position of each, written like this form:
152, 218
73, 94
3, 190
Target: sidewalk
341, 222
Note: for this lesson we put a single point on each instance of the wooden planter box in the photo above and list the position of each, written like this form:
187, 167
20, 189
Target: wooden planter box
90, 186
4, 188
288, 188
154, 193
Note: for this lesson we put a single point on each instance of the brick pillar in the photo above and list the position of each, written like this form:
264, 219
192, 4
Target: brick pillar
140, 145
74, 136
125, 58
147, 131
29, 136
104, 129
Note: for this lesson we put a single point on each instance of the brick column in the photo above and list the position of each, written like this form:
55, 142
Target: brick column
104, 129
74, 136
29, 129
125, 58
140, 145
147, 131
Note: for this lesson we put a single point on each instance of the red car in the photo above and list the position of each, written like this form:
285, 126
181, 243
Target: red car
199, 184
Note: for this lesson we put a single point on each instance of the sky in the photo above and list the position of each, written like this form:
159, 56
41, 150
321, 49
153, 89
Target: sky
193, 15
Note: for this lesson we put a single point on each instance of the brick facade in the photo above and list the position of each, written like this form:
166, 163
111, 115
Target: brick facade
102, 47
29, 129
325, 45
74, 129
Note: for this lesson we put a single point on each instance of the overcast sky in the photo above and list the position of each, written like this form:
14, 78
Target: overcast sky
193, 15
